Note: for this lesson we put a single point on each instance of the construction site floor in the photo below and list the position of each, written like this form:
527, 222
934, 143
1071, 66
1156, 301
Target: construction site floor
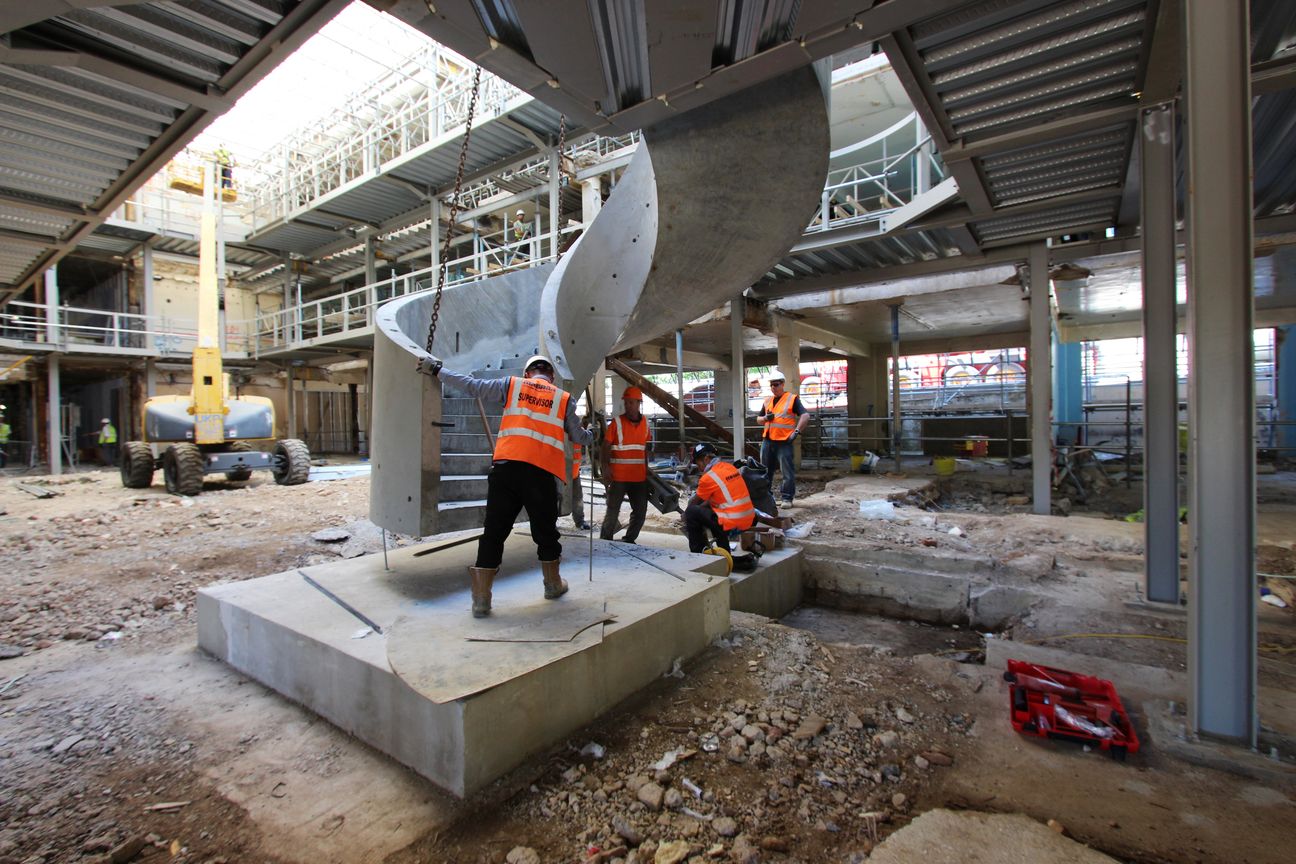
116, 732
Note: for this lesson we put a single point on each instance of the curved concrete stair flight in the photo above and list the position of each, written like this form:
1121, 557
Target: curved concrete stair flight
710, 202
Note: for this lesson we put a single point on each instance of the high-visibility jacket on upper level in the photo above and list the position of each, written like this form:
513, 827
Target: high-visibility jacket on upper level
784, 420
5, 432
723, 488
108, 434
532, 427
627, 444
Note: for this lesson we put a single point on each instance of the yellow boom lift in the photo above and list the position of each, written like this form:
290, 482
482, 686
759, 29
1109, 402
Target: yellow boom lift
207, 431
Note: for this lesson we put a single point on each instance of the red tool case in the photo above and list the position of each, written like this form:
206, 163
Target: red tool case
1055, 703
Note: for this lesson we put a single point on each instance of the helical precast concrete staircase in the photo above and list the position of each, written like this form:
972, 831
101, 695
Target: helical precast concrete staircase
709, 202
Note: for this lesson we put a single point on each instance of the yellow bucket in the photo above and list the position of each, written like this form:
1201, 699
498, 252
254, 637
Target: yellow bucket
856, 463
944, 466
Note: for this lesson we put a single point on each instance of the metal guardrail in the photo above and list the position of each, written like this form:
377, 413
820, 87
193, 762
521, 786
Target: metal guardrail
96, 330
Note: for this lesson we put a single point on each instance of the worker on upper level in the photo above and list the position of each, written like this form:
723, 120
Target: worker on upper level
225, 162
721, 504
785, 418
627, 447
529, 462
5, 431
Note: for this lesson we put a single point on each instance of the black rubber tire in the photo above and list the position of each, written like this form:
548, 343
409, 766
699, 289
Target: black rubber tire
291, 462
239, 474
182, 467
136, 464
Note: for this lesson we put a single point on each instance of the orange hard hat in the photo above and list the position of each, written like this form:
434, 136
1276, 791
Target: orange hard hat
633, 393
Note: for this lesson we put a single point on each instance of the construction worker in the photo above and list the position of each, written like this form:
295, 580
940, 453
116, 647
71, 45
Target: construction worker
721, 503
225, 162
627, 446
529, 461
784, 417
108, 442
5, 432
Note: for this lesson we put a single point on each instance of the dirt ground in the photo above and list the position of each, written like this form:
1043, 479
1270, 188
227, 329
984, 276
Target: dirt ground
802, 740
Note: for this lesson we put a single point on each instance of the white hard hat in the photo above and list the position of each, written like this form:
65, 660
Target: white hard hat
521, 212
105, 420
777, 375
538, 358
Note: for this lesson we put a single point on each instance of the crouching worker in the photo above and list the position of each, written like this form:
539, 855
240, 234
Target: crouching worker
528, 463
721, 503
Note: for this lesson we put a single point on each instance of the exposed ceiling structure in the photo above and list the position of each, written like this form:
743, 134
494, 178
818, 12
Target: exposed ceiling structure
96, 96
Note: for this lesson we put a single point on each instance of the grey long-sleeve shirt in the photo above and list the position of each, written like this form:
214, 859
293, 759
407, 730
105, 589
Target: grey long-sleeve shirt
496, 389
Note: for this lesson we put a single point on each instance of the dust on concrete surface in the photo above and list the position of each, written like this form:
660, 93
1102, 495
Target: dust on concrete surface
108, 711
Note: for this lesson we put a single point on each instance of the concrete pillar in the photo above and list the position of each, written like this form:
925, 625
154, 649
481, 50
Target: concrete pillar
1221, 387
53, 334
1285, 354
55, 442
1160, 364
291, 399
896, 418
149, 297
370, 261
679, 392
1068, 389
591, 199
368, 403
150, 378
789, 360
737, 377
866, 397
1041, 331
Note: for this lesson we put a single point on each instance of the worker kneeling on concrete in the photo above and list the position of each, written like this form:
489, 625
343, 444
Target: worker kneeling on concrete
721, 503
528, 463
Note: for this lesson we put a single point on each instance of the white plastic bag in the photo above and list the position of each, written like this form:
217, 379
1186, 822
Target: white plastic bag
878, 508
800, 531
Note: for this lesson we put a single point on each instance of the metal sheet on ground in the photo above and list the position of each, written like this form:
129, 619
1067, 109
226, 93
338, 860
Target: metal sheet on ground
470, 656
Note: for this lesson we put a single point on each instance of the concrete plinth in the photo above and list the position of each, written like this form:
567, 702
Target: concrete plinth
463, 712
773, 590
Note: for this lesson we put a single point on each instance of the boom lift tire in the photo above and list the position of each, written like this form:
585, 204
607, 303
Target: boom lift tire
292, 462
182, 467
240, 473
136, 465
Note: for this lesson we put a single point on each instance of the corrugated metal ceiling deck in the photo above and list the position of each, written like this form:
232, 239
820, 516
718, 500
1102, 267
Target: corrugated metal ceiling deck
95, 100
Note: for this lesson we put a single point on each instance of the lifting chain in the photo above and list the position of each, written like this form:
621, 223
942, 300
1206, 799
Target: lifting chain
558, 222
454, 210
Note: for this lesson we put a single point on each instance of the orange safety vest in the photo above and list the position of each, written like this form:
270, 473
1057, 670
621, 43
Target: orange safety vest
627, 446
784, 422
532, 427
723, 488
576, 457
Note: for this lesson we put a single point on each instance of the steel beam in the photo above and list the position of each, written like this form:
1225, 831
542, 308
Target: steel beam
1041, 383
1221, 400
895, 384
1160, 366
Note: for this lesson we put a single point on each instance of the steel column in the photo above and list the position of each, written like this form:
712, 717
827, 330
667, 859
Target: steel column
1221, 387
370, 261
789, 360
1160, 367
1285, 337
738, 375
434, 236
679, 384
55, 424
1041, 381
150, 301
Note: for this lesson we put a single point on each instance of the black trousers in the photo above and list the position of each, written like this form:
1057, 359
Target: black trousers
510, 487
698, 520
617, 492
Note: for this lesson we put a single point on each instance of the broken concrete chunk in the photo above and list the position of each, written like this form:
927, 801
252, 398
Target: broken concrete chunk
810, 727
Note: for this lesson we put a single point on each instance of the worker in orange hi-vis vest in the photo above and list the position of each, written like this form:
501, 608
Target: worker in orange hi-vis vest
529, 461
627, 446
578, 495
721, 504
784, 417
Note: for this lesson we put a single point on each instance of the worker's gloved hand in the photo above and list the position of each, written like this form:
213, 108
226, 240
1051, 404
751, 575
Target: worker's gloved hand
429, 365
795, 434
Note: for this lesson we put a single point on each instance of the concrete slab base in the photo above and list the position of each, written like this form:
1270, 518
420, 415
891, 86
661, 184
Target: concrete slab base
1167, 730
946, 837
463, 712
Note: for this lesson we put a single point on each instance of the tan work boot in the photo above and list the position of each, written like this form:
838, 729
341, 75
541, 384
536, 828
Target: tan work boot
482, 579
555, 585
